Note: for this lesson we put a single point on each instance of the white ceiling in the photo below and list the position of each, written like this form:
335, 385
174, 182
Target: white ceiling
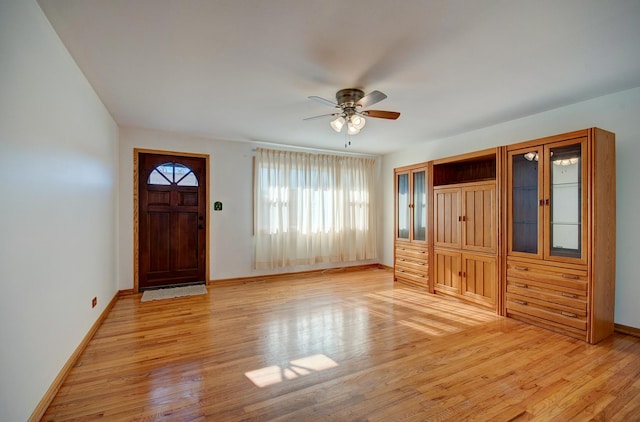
243, 69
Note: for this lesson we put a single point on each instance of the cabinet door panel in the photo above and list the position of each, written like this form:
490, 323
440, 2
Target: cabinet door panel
419, 205
479, 230
525, 211
479, 282
565, 220
402, 206
447, 271
446, 207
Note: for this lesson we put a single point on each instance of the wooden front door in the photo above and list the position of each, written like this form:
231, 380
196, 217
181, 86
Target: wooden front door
172, 220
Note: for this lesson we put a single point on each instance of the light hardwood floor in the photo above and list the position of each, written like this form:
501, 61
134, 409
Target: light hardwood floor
340, 346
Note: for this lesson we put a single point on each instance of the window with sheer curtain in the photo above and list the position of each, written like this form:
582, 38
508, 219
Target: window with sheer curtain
312, 208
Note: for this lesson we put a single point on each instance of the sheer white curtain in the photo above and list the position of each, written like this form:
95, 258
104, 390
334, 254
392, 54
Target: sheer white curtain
311, 208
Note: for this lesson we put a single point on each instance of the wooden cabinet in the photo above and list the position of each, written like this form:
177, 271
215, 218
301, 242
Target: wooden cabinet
560, 266
527, 230
411, 263
465, 228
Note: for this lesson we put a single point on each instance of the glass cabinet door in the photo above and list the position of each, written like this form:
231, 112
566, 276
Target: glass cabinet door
402, 211
419, 206
525, 214
564, 224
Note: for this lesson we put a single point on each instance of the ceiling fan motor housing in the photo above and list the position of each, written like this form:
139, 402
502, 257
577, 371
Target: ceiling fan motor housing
349, 97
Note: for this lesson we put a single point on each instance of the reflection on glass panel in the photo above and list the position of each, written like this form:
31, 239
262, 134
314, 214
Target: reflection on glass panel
525, 202
170, 173
180, 171
167, 170
403, 206
188, 180
566, 216
419, 206
156, 178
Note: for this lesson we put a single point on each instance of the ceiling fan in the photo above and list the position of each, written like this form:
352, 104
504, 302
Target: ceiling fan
351, 102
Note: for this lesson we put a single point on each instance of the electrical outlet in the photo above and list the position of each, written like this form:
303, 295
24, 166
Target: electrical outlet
94, 302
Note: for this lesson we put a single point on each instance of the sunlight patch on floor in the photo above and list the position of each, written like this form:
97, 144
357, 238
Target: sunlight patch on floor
275, 374
433, 315
425, 329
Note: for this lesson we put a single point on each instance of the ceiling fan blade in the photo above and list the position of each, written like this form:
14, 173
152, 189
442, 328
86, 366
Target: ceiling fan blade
371, 98
382, 114
321, 116
323, 101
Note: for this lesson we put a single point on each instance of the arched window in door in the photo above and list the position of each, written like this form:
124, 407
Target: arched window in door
172, 174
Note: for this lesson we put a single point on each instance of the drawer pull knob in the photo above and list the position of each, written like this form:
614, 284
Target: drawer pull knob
571, 295
522, 268
521, 285
401, 259
521, 302
568, 314
571, 276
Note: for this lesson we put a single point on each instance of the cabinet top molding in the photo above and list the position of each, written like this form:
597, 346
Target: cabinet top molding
561, 137
470, 156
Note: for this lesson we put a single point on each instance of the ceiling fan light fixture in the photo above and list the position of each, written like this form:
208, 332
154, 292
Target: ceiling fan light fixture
337, 124
358, 121
352, 130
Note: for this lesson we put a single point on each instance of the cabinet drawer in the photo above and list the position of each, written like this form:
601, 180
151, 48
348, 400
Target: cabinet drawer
418, 278
568, 280
411, 252
412, 265
560, 298
550, 313
564, 329
552, 297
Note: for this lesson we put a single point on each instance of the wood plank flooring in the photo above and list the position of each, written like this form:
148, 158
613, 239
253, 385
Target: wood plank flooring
340, 346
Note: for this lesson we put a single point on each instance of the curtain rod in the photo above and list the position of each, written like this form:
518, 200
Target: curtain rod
318, 150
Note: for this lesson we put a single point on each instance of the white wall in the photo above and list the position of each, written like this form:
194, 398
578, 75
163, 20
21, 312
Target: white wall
58, 152
231, 182
618, 113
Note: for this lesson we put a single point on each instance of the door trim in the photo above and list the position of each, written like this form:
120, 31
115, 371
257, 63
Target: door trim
136, 219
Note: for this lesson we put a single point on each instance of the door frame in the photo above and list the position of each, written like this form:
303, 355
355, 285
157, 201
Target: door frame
136, 211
